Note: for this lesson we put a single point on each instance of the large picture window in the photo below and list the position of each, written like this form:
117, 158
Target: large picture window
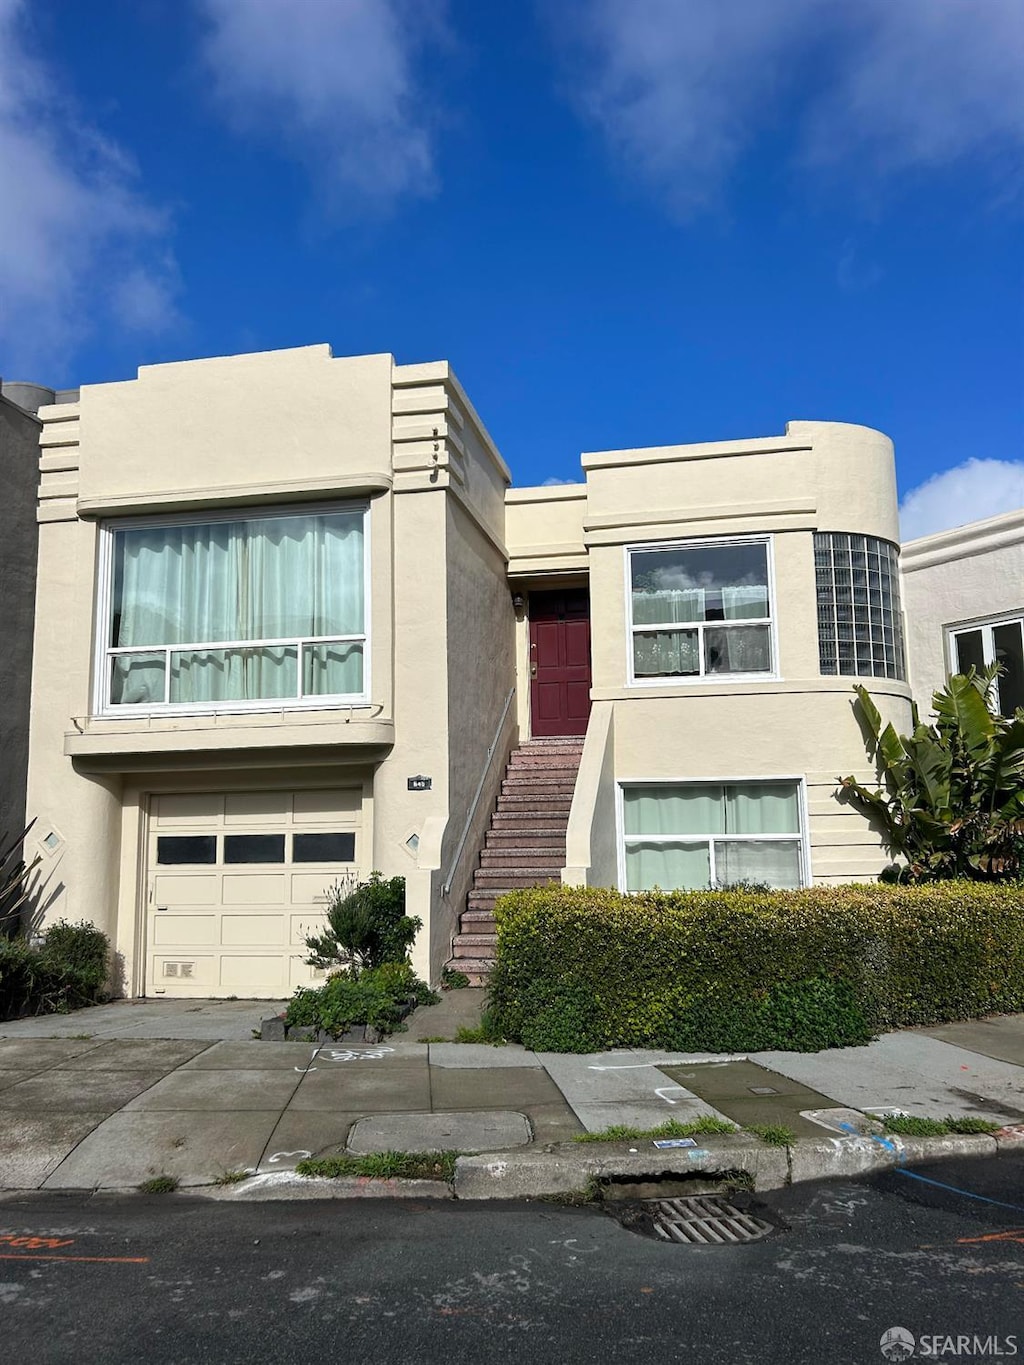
231, 613
701, 609
691, 836
994, 642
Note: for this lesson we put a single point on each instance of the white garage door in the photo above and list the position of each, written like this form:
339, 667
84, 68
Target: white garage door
235, 883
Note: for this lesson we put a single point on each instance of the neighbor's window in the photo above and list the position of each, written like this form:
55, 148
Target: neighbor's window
860, 630
700, 609
691, 836
229, 613
996, 642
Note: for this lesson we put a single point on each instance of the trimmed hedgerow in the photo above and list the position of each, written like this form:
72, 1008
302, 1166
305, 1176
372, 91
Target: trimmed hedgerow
580, 969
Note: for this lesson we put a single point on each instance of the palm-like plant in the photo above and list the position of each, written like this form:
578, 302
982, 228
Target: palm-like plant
953, 798
14, 879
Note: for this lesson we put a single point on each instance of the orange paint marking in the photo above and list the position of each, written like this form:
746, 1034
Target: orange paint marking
1010, 1235
98, 1260
36, 1243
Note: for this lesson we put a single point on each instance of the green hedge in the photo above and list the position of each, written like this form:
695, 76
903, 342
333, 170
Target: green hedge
581, 969
65, 970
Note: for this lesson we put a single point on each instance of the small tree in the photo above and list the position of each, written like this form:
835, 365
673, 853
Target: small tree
366, 926
953, 800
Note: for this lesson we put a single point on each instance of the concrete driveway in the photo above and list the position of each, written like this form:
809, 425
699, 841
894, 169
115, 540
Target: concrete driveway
210, 1021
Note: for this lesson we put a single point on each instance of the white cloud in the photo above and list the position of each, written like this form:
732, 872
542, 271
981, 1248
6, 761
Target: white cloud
683, 88
74, 229
969, 492
333, 81
558, 483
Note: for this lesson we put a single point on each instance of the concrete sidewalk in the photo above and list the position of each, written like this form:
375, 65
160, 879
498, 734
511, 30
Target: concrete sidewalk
107, 1104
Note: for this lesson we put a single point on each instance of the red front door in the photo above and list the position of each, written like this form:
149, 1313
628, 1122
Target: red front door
559, 662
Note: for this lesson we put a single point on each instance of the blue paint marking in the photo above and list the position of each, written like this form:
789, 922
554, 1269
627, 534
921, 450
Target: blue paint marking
954, 1189
885, 1142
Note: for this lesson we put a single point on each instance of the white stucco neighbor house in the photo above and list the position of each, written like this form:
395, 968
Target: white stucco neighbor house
296, 624
964, 601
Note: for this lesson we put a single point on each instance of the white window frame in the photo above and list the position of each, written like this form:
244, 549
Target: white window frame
703, 678
103, 652
986, 627
802, 837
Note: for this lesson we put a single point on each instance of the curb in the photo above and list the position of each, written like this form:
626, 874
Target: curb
572, 1169
533, 1174
288, 1185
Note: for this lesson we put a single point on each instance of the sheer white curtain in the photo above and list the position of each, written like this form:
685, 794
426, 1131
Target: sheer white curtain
745, 603
659, 606
670, 811
776, 863
738, 649
269, 578
655, 817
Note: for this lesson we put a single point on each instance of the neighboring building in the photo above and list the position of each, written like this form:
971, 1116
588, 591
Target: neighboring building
964, 602
19, 472
296, 620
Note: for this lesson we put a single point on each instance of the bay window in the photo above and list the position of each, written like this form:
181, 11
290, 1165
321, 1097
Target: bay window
233, 613
699, 610
695, 835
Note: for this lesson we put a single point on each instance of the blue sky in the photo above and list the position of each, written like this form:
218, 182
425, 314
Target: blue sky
624, 222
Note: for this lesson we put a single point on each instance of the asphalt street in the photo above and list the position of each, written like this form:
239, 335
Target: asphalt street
176, 1280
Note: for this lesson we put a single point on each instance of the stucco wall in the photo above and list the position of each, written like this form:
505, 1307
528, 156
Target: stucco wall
809, 733
591, 841
544, 529
19, 477
481, 673
953, 578
252, 426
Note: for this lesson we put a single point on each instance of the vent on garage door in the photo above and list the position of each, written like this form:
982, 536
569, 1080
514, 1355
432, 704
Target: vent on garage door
179, 969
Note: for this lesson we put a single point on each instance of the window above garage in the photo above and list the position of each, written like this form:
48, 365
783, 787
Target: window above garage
234, 614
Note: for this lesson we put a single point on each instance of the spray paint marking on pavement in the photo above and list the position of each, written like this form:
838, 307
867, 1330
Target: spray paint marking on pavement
953, 1189
669, 1061
660, 1092
1010, 1235
96, 1260
26, 1247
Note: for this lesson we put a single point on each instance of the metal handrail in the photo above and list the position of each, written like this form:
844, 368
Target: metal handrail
447, 886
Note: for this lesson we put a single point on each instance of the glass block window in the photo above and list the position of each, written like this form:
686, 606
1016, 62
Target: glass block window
860, 630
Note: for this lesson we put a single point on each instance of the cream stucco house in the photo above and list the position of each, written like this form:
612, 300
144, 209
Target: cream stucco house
294, 620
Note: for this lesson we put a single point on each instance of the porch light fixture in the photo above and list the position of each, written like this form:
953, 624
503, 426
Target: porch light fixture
518, 601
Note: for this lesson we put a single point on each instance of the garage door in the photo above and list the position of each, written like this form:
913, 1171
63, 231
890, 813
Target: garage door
235, 883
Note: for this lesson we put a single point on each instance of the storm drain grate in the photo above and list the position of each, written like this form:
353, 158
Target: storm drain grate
705, 1220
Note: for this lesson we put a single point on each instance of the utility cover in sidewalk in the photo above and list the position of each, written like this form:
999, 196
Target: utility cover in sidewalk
704, 1220
483, 1130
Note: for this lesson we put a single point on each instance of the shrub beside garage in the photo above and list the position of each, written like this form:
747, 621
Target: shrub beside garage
66, 969
582, 969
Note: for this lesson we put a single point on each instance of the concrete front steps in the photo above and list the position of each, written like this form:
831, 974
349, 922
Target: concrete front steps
525, 844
